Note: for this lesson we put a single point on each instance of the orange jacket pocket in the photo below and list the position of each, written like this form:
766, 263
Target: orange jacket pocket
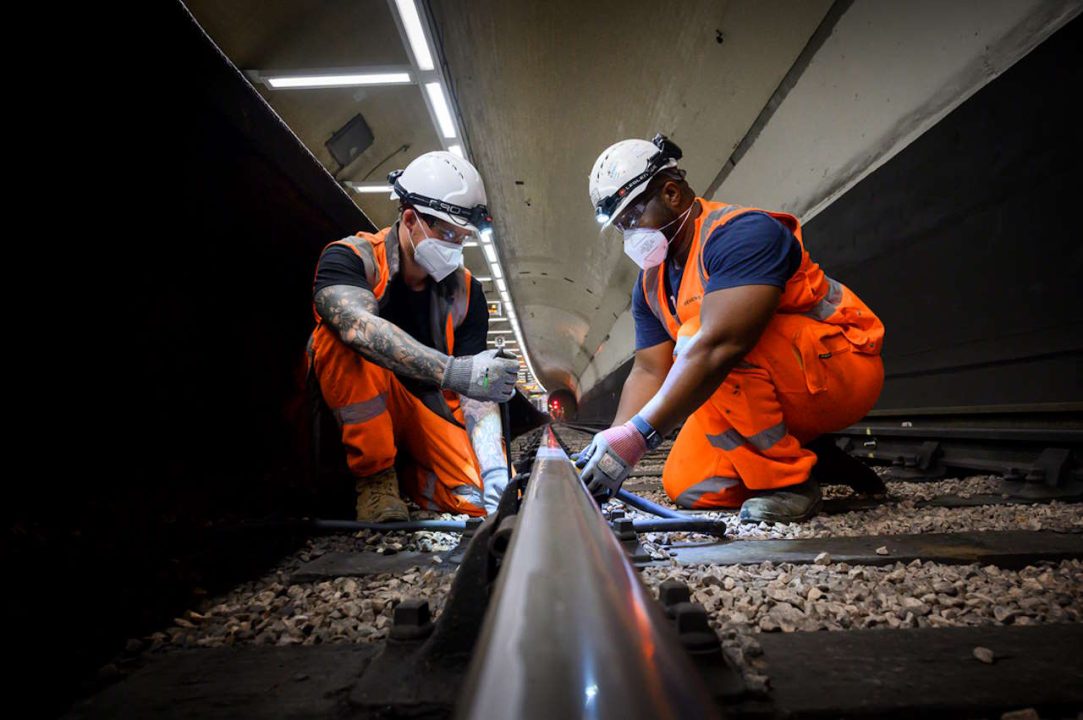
817, 343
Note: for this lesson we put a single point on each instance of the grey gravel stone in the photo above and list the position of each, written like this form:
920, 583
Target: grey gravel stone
985, 655
744, 600
900, 518
741, 601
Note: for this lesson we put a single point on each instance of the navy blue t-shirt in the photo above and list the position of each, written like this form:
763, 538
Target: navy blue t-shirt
753, 249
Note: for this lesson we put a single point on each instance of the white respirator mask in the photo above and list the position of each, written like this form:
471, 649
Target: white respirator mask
648, 247
439, 257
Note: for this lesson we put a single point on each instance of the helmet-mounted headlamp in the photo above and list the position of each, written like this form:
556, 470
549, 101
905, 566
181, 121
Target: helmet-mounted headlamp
478, 216
667, 150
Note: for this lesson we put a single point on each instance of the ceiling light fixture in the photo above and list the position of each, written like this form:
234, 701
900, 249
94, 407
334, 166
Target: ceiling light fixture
438, 99
324, 81
415, 33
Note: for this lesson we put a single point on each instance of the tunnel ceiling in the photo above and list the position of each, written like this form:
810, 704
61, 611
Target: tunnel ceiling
544, 87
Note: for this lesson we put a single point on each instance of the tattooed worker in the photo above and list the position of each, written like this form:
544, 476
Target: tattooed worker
399, 350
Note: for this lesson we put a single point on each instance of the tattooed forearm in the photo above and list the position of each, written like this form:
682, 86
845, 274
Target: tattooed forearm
483, 426
351, 311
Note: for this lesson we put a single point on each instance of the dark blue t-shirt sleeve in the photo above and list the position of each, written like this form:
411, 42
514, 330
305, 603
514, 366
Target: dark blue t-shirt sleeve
649, 329
753, 249
471, 335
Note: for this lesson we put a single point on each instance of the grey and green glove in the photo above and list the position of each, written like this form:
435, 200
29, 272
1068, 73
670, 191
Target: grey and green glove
489, 375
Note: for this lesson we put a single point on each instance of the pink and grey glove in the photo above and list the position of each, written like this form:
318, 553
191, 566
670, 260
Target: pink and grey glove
609, 458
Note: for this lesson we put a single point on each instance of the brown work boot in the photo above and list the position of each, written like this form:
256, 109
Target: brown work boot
793, 503
378, 498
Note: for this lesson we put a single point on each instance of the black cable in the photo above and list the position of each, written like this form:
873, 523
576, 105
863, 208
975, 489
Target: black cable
377, 165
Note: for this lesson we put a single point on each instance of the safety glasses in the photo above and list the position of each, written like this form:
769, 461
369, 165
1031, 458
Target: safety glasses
442, 232
629, 218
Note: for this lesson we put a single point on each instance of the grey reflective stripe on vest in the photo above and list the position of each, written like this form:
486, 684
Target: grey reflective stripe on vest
769, 437
391, 250
364, 250
360, 412
651, 278
470, 493
705, 232
827, 305
459, 303
689, 497
428, 491
731, 439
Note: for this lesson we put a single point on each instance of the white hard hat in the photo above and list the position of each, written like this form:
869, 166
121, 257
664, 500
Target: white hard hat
446, 186
622, 171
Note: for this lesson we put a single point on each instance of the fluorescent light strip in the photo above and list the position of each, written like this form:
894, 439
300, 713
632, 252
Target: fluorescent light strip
319, 81
500, 332
438, 99
526, 356
441, 108
357, 187
415, 33
482, 278
470, 243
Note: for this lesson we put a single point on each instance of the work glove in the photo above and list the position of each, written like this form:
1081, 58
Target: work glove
494, 482
609, 458
489, 375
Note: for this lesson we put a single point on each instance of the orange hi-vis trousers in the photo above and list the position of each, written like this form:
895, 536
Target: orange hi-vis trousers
378, 416
800, 381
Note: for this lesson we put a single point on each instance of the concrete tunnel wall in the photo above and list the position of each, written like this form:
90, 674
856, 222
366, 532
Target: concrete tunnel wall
965, 245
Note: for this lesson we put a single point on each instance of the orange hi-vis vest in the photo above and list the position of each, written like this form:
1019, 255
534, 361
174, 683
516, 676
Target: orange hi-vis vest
449, 302
381, 261
812, 307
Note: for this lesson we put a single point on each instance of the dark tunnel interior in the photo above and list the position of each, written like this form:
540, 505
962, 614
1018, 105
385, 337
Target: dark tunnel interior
199, 415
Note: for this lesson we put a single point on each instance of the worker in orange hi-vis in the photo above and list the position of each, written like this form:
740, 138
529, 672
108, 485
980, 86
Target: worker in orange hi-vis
399, 350
739, 334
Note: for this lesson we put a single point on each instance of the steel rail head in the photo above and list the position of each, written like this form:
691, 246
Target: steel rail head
571, 631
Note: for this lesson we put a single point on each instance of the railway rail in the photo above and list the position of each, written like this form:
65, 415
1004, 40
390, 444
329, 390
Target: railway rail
555, 606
